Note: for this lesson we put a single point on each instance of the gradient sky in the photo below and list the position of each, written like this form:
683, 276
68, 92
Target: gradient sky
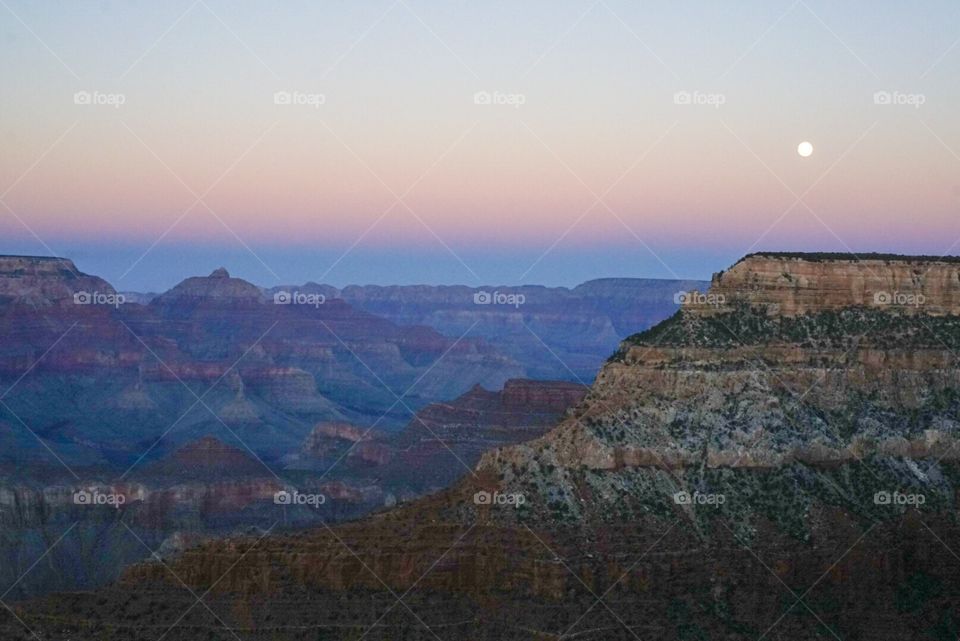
494, 194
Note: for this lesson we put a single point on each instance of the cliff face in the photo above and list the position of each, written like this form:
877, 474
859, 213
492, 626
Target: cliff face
521, 406
201, 491
442, 440
541, 396
786, 367
41, 282
751, 406
791, 284
319, 440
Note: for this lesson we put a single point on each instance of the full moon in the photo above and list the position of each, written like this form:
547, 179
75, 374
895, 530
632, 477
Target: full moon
805, 149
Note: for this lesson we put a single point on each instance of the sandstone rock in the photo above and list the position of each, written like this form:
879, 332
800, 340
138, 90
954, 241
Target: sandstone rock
40, 281
793, 284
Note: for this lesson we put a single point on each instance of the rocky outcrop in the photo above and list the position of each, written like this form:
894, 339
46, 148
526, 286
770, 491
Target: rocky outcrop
40, 281
291, 388
239, 410
217, 286
337, 431
442, 440
206, 458
331, 437
675, 406
794, 284
545, 397
522, 407
778, 369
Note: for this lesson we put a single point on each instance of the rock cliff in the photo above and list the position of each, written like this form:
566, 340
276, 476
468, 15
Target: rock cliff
40, 281
442, 440
793, 284
785, 365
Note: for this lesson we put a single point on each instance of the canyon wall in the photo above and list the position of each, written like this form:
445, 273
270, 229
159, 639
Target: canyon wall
794, 284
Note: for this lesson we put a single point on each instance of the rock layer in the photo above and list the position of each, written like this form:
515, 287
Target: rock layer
794, 284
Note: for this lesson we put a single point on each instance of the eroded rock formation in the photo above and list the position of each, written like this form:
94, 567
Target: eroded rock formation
776, 466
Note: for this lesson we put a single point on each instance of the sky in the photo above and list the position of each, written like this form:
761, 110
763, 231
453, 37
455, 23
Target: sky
407, 141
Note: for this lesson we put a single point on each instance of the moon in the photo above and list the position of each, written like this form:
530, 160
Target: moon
805, 149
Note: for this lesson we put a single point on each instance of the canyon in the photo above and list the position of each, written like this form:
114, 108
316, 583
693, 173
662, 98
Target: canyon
208, 488
442, 442
773, 465
555, 332
95, 381
198, 405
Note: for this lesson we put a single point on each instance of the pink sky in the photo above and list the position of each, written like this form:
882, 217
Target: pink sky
598, 116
